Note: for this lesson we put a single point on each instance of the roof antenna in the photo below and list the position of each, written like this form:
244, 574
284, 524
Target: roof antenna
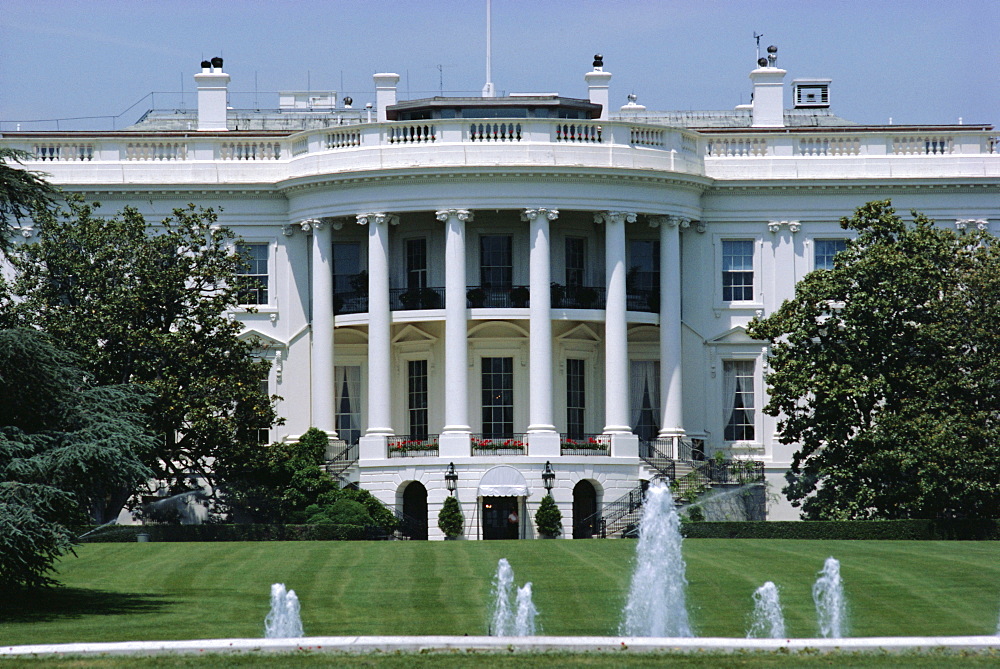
488, 90
757, 37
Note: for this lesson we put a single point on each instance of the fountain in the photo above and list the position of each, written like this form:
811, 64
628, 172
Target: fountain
524, 621
283, 620
831, 607
655, 605
767, 621
503, 588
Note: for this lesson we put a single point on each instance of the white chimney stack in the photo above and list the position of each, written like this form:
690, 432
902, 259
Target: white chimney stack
598, 83
385, 92
213, 89
768, 92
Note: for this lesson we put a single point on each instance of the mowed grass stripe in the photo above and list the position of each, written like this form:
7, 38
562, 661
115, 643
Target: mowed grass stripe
214, 590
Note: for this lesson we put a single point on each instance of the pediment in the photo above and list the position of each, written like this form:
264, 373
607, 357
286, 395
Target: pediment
736, 335
260, 340
347, 336
413, 334
497, 330
582, 332
644, 333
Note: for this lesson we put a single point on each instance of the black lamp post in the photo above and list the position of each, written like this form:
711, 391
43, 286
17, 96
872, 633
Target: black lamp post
548, 477
451, 478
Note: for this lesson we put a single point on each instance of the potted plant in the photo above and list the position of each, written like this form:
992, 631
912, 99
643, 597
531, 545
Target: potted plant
450, 519
410, 299
558, 292
585, 297
548, 518
476, 297
519, 297
430, 298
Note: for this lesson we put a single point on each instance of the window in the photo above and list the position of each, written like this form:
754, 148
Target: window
644, 398
644, 265
737, 270
825, 250
346, 267
262, 435
498, 397
576, 398
738, 399
416, 263
417, 398
347, 416
576, 259
253, 279
496, 267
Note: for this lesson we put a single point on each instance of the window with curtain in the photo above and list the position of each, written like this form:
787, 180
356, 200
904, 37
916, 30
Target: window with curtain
737, 270
576, 261
644, 398
347, 416
496, 262
738, 399
416, 263
576, 398
498, 397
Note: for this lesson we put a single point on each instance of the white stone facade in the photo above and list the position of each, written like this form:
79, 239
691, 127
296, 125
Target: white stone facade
664, 238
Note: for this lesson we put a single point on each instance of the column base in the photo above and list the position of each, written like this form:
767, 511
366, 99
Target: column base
543, 444
624, 445
454, 444
373, 447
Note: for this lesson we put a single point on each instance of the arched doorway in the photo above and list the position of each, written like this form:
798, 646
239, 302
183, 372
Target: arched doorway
502, 491
415, 511
584, 508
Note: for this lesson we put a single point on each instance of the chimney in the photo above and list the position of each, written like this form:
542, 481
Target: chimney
597, 84
385, 92
768, 92
213, 88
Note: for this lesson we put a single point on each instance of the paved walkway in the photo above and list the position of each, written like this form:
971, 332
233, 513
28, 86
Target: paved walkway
414, 644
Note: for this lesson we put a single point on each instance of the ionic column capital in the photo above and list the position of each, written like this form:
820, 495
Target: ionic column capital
463, 215
532, 214
378, 218
311, 224
793, 226
615, 217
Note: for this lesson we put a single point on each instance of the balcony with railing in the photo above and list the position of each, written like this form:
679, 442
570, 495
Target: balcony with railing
412, 446
577, 297
497, 297
585, 444
416, 299
350, 302
499, 445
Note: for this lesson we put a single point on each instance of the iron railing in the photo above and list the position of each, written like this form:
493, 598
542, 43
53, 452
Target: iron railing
652, 453
586, 444
638, 299
412, 446
620, 517
350, 302
508, 444
338, 465
578, 297
740, 472
414, 299
503, 297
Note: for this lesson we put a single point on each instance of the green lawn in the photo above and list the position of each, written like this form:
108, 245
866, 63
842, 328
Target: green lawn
117, 592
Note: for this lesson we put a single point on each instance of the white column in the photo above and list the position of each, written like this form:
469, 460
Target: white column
379, 321
322, 327
455, 434
671, 398
542, 437
616, 368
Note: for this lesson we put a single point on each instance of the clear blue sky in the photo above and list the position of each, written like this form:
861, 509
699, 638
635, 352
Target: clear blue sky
917, 61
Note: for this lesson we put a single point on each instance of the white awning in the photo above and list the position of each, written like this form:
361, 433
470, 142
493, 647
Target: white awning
503, 481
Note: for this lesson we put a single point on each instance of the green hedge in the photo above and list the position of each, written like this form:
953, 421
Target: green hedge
845, 529
323, 532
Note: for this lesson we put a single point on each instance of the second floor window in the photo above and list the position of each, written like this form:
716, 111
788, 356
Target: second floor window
253, 280
737, 270
496, 262
576, 261
416, 263
826, 249
347, 267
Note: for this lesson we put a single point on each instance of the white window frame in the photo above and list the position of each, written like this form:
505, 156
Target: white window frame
756, 445
758, 270
271, 244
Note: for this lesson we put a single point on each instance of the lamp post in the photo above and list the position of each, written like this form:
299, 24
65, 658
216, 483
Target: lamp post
548, 478
451, 478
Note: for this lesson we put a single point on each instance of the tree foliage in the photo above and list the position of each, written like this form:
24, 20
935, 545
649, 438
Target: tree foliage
65, 446
450, 518
885, 371
22, 192
147, 305
548, 518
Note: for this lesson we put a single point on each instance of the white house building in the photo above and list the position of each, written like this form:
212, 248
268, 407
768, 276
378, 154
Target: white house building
493, 296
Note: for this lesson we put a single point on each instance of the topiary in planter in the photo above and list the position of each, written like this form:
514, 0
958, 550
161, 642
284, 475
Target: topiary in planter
450, 518
548, 518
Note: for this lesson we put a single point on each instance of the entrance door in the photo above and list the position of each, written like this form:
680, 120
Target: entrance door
584, 508
415, 511
501, 518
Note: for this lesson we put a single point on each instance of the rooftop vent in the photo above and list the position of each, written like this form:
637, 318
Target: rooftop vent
811, 93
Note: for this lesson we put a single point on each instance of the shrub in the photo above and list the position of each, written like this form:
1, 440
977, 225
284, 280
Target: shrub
548, 518
450, 518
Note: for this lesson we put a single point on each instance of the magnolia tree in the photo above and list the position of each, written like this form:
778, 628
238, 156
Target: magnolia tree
885, 373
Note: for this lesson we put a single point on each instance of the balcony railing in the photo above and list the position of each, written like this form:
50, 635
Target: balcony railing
509, 444
578, 297
587, 444
638, 299
492, 297
413, 446
350, 302
411, 299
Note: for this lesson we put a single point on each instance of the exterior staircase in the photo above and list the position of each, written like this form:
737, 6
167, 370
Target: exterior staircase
343, 458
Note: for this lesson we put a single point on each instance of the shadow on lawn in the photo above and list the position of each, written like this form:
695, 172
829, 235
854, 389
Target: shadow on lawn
54, 603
